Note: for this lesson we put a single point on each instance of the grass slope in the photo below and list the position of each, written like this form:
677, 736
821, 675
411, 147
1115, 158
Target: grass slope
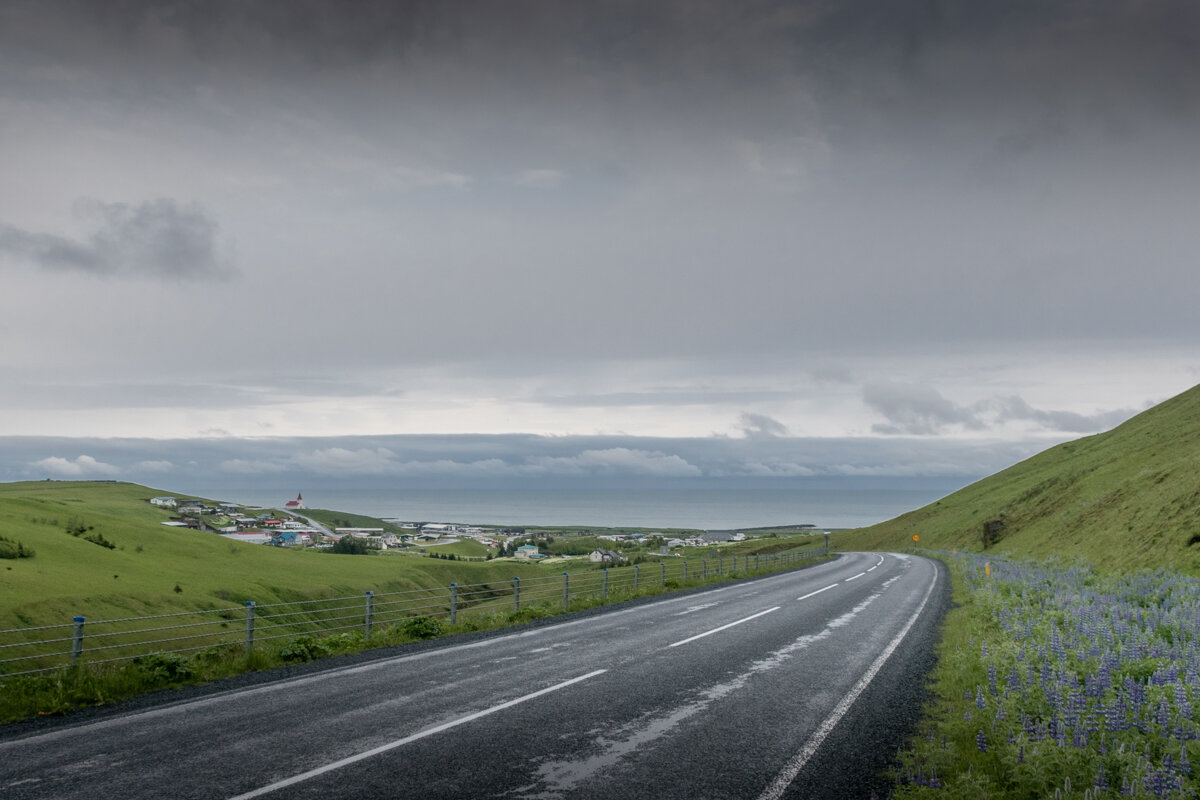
70, 576
1124, 499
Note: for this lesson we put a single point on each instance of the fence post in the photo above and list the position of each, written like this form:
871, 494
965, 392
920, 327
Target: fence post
604, 591
720, 558
635, 577
704, 568
685, 570
662, 568
77, 641
370, 612
516, 594
747, 567
249, 625
756, 562
565, 590
453, 603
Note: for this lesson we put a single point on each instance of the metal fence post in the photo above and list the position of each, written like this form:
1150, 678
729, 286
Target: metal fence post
370, 613
77, 641
704, 568
685, 569
635, 577
756, 562
747, 567
565, 590
604, 591
249, 625
453, 603
720, 565
662, 568
516, 594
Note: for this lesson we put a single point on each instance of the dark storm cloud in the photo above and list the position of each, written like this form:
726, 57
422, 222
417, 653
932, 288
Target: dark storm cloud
160, 238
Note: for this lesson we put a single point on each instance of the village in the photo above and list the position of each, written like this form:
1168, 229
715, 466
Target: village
288, 527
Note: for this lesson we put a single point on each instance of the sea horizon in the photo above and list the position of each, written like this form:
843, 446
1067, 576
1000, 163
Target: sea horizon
692, 508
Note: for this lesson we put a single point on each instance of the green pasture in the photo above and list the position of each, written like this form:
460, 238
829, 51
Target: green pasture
1125, 499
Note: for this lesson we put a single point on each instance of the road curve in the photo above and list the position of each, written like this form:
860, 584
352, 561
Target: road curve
795, 685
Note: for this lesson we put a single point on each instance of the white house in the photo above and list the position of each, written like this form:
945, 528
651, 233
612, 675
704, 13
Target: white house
527, 551
163, 502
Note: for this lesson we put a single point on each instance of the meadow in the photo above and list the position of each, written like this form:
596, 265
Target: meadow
1057, 681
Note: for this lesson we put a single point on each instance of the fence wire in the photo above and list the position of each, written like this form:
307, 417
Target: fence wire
26, 652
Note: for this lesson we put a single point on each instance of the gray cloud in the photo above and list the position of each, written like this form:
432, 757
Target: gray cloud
916, 410
1016, 408
760, 426
159, 238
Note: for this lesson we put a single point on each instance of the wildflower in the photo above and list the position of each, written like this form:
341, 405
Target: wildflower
981, 741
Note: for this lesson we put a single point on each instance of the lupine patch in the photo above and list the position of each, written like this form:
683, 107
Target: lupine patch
1088, 680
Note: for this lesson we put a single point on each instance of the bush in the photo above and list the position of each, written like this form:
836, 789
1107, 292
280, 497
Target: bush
304, 648
421, 627
348, 545
166, 666
14, 549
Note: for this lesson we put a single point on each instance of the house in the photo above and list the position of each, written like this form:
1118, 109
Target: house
291, 539
527, 551
163, 502
600, 556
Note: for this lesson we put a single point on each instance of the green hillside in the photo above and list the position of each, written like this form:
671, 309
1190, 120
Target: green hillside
69, 575
1127, 498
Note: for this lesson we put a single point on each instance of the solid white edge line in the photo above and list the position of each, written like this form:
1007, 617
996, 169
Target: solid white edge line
859, 575
723, 627
792, 768
818, 591
454, 723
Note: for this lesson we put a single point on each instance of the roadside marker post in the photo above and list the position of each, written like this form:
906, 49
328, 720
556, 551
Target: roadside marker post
77, 641
370, 613
249, 625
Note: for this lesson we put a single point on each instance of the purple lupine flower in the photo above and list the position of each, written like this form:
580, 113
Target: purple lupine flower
981, 741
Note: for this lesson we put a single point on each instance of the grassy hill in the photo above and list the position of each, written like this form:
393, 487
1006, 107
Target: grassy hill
70, 575
1127, 498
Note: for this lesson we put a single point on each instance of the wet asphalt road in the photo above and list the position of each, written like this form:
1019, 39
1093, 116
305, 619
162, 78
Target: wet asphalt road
796, 685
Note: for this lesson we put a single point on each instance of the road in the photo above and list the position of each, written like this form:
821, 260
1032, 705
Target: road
795, 685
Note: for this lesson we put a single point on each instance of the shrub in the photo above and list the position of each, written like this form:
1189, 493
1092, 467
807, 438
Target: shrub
10, 548
166, 666
421, 627
304, 648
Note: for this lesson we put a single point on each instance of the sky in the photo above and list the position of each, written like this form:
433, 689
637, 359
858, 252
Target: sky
709, 238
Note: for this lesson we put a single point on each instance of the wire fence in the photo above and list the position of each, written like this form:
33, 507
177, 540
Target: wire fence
25, 651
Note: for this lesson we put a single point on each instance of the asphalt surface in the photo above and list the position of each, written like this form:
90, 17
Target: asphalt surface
795, 685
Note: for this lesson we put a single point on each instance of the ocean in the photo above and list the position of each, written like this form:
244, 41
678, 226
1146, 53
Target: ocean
703, 509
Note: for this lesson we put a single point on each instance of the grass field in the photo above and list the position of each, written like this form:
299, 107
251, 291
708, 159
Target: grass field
1125, 499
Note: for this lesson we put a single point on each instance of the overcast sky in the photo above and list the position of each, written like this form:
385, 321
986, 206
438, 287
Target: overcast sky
926, 227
